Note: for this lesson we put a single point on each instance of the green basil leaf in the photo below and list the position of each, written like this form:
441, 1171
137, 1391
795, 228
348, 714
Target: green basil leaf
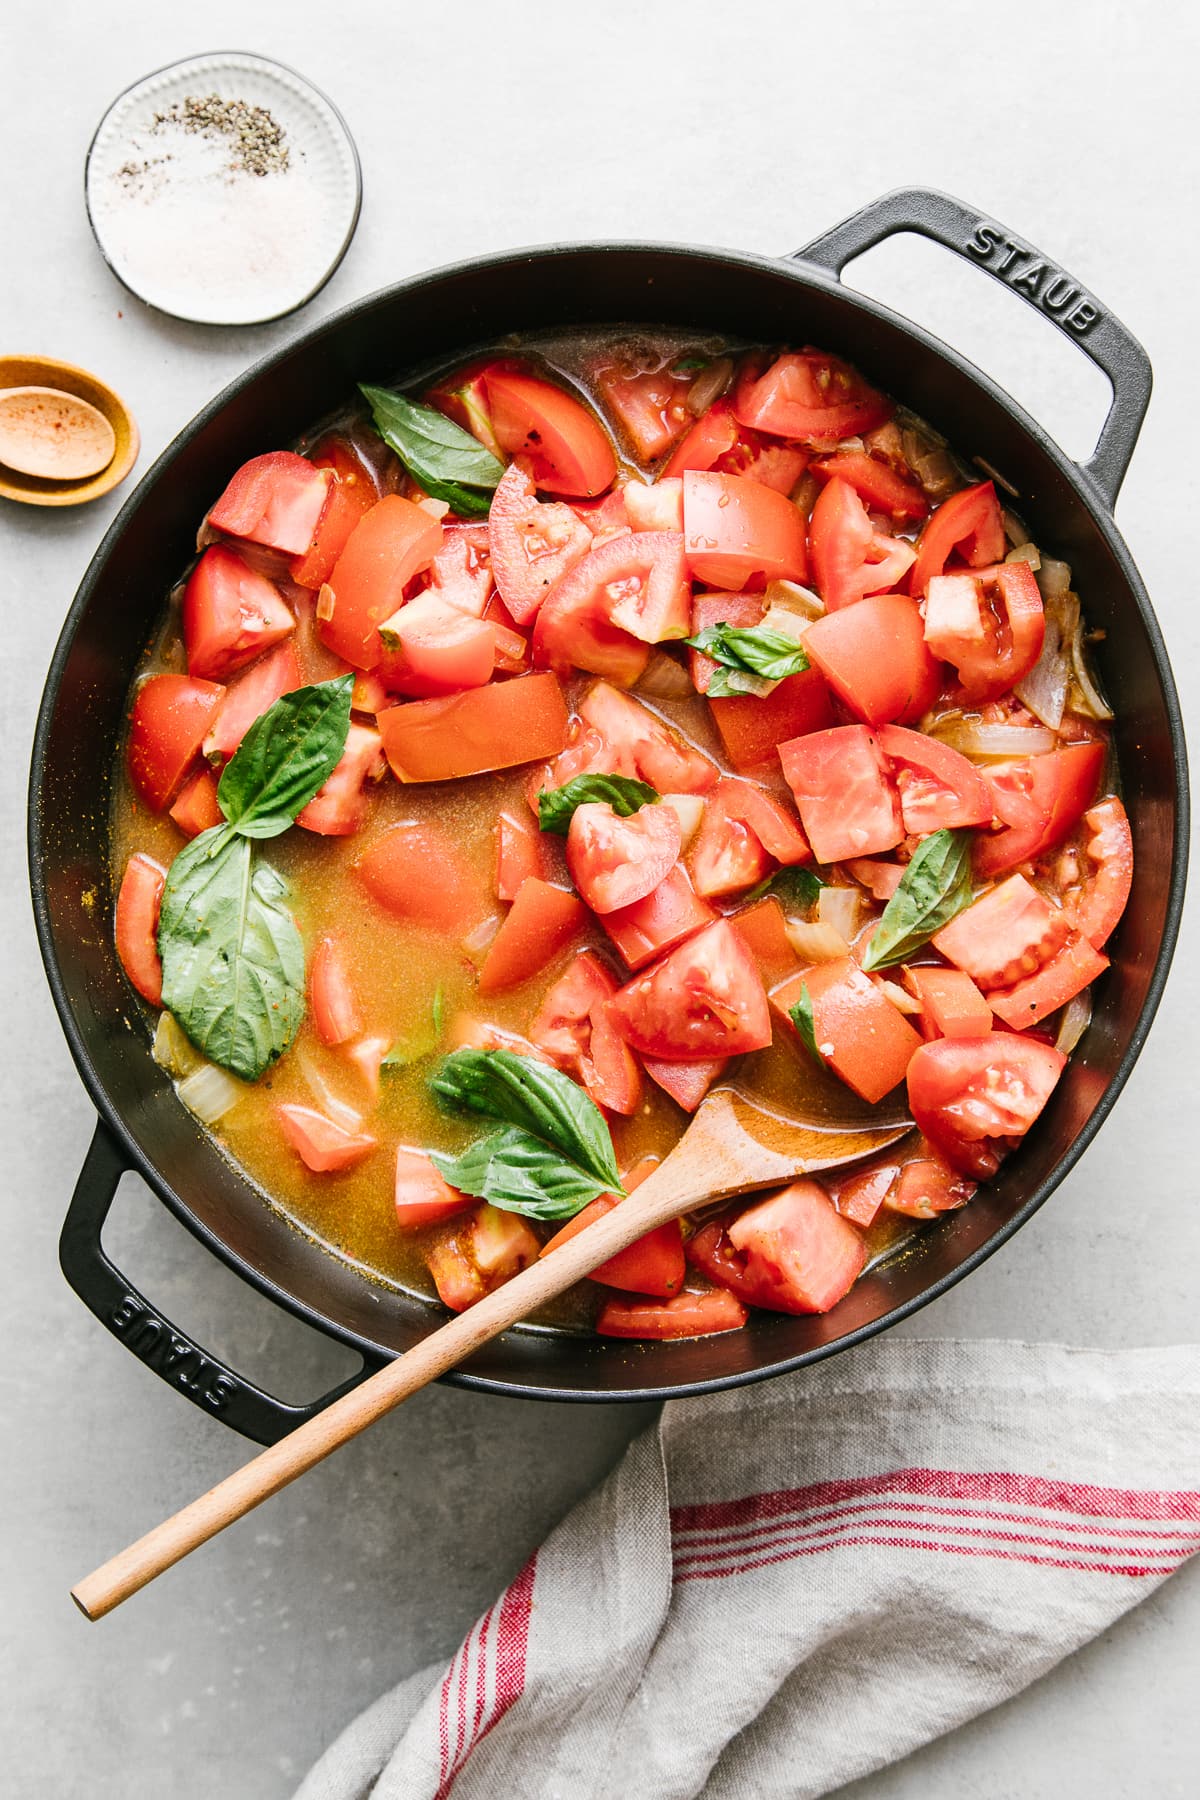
934, 889
801, 1016
542, 1100
407, 1051
725, 683
796, 890
285, 758
750, 650
687, 365
520, 1173
232, 957
444, 459
556, 806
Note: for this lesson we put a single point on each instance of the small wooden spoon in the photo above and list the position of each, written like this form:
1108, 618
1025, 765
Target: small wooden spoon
47, 432
731, 1147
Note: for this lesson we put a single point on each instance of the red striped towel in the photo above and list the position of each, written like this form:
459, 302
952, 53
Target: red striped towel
783, 1588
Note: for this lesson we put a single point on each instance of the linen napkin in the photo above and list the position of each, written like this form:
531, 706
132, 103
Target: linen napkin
782, 1588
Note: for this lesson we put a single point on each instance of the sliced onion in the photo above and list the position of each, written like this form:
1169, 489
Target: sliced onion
477, 941
326, 601
210, 1093
665, 678
929, 460
1054, 578
900, 997
789, 596
838, 907
1077, 1016
709, 385
1091, 700
338, 1110
974, 739
815, 943
1026, 553
689, 810
437, 509
172, 1049
850, 443
1044, 689
788, 624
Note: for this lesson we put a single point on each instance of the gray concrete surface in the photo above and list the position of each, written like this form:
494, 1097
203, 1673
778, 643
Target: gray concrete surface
484, 127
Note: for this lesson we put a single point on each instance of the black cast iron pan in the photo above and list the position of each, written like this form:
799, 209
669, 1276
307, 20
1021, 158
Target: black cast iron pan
444, 316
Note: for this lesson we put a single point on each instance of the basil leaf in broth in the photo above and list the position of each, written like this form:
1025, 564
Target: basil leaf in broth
285, 758
441, 457
405, 1052
541, 1100
232, 957
935, 888
752, 655
801, 1016
520, 1173
556, 806
797, 890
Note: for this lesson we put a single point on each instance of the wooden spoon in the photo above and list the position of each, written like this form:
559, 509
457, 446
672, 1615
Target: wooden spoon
55, 435
731, 1147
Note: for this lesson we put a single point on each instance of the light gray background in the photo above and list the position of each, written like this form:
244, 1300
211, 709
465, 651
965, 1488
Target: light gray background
485, 126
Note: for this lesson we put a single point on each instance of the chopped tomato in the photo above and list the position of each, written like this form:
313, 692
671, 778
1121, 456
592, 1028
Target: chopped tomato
462, 396
1072, 968
751, 728
712, 436
926, 1187
881, 879
458, 1282
736, 530
367, 1055
492, 727
657, 508
649, 405
686, 1082
350, 496
249, 695
717, 442
518, 853
339, 807
704, 999
323, 1146
789, 1253
614, 861
846, 802
861, 1036
879, 485
653, 1264
1109, 851
196, 809
335, 1008
533, 543
744, 833
423, 1196
461, 572
540, 923
663, 919
486, 1250
606, 517
275, 500
740, 610
390, 544
435, 649
1005, 935
138, 905
969, 523
629, 587
417, 871
761, 927
643, 746
809, 396
573, 1028
874, 657
171, 715
566, 447
1039, 801
688, 1315
939, 789
990, 625
231, 614
850, 558
972, 1096
858, 1197
951, 1005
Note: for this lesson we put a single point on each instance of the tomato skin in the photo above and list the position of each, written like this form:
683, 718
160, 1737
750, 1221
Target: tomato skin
323, 1146
139, 902
735, 529
1040, 800
686, 1316
963, 626
713, 435
685, 1083
573, 1028
231, 614
809, 396
847, 804
663, 919
395, 870
744, 832
649, 405
540, 923
275, 500
423, 1196
850, 558
615, 862
969, 522
196, 809
863, 1038
1072, 968
567, 448
939, 789
702, 1000
642, 745
493, 727
874, 656
790, 1252
249, 695
339, 807
751, 729
879, 486
435, 649
532, 544
926, 1187
391, 543
971, 1095
335, 1009
951, 1005
1005, 935
858, 1197
1109, 850
170, 717
518, 853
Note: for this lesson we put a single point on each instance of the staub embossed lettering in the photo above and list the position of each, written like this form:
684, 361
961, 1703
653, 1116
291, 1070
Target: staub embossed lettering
163, 1349
1030, 274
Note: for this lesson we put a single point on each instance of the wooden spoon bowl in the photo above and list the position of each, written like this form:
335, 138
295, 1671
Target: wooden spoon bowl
42, 372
